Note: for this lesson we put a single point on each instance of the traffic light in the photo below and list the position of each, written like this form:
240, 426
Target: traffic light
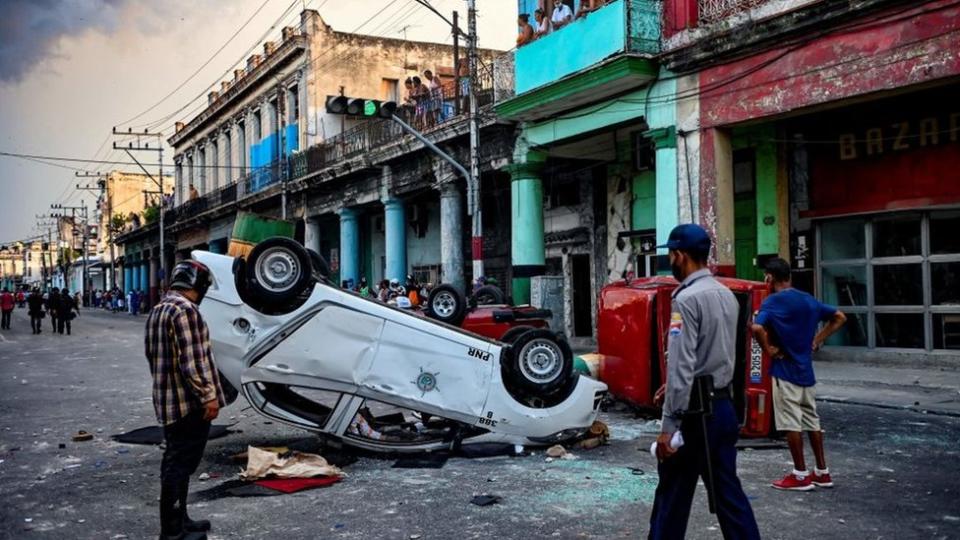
368, 108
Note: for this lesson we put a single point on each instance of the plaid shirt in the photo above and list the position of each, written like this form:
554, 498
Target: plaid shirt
177, 345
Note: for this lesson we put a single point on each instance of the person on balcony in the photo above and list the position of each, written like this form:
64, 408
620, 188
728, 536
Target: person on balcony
194, 194
421, 96
525, 34
463, 77
543, 24
562, 15
586, 6
435, 93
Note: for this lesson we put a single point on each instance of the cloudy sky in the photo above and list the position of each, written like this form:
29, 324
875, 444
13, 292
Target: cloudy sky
72, 69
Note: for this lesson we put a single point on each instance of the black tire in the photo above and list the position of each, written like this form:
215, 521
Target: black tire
447, 304
512, 334
278, 271
320, 265
540, 363
489, 295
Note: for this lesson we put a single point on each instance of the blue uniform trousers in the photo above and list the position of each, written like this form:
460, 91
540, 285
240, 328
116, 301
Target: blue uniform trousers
679, 474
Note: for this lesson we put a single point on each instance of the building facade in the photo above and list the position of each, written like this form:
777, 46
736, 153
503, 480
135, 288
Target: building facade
828, 133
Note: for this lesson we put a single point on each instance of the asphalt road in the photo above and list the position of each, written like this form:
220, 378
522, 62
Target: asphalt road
896, 470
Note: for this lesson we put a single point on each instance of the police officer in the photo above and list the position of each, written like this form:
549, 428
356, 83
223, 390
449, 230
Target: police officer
702, 343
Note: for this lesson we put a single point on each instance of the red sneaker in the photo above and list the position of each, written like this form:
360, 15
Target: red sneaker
821, 480
792, 482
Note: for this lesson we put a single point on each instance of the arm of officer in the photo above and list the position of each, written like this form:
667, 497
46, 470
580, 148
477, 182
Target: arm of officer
681, 365
194, 364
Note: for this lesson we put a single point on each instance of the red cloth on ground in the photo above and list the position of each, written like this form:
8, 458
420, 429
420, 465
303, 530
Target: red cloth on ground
293, 485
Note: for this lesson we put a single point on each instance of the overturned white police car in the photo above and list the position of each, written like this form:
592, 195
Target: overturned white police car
309, 354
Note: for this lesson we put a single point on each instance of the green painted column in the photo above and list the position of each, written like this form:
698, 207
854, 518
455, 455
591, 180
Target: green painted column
527, 250
667, 216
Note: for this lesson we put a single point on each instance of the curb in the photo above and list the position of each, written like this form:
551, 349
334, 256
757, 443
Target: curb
935, 412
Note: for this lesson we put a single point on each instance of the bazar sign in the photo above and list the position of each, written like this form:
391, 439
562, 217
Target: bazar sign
900, 136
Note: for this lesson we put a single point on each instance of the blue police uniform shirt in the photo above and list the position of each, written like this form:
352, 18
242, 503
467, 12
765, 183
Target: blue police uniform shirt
794, 317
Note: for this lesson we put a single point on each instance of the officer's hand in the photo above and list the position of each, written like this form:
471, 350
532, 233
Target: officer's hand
664, 450
659, 395
211, 410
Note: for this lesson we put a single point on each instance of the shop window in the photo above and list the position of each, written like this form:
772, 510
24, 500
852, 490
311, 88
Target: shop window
851, 334
899, 330
843, 240
943, 233
898, 285
896, 237
845, 285
945, 283
946, 331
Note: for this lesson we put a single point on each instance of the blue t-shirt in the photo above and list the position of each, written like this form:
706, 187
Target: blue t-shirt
792, 318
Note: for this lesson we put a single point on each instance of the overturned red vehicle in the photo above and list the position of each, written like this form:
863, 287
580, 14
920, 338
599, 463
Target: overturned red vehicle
487, 316
632, 326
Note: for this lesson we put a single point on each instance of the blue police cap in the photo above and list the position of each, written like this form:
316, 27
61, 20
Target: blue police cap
688, 237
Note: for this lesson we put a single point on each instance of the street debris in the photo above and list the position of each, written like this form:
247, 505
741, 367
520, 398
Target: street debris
82, 436
597, 435
154, 435
486, 500
558, 452
203, 477
262, 463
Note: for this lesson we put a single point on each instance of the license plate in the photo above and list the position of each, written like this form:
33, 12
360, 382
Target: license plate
756, 362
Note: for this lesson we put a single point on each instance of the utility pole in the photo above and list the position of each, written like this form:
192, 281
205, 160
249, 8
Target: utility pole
282, 155
473, 191
101, 189
456, 62
73, 218
145, 147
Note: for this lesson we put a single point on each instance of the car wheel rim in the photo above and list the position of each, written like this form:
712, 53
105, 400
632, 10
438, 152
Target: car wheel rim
278, 269
444, 304
541, 361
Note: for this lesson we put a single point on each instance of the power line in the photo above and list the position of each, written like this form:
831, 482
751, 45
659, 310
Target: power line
202, 66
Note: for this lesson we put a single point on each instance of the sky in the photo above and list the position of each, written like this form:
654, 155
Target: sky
70, 70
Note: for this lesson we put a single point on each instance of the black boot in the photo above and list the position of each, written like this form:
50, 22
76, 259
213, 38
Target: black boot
189, 525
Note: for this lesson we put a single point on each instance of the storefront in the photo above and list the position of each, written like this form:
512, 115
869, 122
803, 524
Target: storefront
881, 207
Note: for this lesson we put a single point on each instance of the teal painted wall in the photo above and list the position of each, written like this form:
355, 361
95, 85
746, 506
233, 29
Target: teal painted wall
660, 113
573, 48
643, 211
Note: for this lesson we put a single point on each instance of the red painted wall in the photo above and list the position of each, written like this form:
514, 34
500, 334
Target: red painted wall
902, 49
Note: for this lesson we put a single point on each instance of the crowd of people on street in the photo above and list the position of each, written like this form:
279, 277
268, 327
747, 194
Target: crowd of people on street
411, 294
63, 307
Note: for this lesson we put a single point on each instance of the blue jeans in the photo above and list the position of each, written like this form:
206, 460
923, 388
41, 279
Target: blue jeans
679, 474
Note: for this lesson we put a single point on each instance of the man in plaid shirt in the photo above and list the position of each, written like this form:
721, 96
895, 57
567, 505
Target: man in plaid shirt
186, 392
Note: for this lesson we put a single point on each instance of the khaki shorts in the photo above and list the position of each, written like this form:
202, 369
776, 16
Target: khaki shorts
794, 407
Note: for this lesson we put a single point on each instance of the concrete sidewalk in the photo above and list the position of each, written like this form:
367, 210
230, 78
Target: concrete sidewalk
930, 390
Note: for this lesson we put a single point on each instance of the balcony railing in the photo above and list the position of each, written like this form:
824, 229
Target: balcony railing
619, 27
711, 11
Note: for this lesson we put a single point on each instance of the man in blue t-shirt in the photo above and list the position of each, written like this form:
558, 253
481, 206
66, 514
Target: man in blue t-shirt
786, 328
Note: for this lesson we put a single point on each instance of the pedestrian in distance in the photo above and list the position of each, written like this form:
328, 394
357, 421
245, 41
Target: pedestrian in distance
187, 395
696, 398
53, 308
35, 310
67, 310
786, 327
21, 299
6, 308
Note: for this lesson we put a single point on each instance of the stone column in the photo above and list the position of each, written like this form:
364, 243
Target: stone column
527, 252
311, 234
716, 197
451, 235
349, 245
127, 276
134, 276
144, 284
395, 228
154, 266
667, 198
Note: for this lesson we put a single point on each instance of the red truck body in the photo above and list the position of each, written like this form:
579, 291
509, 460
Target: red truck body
632, 325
